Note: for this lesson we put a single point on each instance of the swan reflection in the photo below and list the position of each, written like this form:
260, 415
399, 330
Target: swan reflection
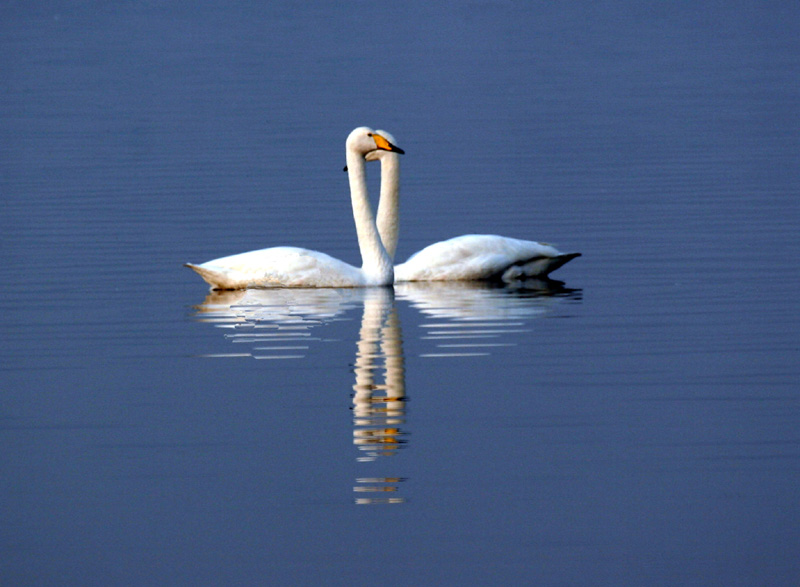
279, 321
461, 319
472, 318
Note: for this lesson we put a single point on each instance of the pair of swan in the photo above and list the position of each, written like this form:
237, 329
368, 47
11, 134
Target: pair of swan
467, 257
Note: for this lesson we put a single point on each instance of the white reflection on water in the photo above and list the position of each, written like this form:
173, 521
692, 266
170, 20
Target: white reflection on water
380, 390
468, 319
473, 317
277, 322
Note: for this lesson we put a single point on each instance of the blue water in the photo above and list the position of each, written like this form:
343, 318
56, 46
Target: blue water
635, 425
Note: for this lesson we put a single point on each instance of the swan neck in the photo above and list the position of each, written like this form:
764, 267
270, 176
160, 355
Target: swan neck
376, 263
388, 220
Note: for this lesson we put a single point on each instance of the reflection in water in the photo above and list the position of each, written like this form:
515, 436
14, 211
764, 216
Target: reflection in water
468, 319
471, 318
279, 321
379, 407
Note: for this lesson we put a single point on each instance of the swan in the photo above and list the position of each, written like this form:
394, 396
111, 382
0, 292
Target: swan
465, 257
297, 267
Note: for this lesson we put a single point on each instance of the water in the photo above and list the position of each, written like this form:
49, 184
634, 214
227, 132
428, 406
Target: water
635, 426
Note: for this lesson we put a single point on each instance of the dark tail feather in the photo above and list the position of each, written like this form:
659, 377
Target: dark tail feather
535, 267
560, 260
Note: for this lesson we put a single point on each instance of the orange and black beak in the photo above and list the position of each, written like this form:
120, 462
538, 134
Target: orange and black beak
382, 143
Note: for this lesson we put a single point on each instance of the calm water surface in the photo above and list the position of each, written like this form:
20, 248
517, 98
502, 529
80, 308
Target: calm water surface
636, 424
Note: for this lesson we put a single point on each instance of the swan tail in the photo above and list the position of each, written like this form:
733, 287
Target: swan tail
536, 267
216, 279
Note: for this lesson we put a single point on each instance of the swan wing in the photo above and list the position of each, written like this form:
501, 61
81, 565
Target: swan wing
481, 256
279, 267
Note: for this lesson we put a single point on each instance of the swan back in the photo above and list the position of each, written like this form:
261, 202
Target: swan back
481, 256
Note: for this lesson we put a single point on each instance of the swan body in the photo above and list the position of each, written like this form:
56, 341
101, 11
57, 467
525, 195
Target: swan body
281, 267
481, 256
466, 257
298, 267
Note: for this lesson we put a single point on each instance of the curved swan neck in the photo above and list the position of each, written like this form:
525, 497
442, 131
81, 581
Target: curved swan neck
388, 220
376, 263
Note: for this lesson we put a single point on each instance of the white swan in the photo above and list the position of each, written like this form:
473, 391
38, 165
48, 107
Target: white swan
466, 257
296, 267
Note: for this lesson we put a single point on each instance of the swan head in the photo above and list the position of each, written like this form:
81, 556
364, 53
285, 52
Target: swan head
371, 144
364, 141
378, 154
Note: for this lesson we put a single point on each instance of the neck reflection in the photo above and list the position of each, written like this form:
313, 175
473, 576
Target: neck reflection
379, 394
